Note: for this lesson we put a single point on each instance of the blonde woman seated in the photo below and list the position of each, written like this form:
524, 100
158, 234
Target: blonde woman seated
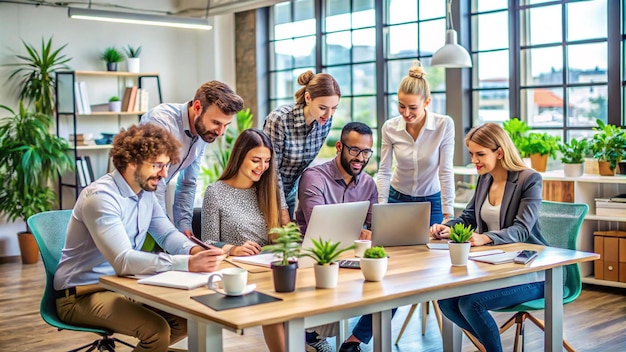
244, 203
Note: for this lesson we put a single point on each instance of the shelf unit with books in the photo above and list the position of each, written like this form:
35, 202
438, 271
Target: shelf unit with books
79, 120
584, 189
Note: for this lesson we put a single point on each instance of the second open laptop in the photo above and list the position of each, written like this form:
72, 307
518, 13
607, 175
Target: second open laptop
400, 224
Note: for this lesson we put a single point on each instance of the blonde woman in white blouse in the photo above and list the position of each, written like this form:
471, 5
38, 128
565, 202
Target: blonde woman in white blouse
422, 144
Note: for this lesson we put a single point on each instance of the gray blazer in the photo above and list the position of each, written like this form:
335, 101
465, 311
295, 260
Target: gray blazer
519, 211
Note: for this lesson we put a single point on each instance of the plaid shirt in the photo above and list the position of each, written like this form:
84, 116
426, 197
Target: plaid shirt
295, 143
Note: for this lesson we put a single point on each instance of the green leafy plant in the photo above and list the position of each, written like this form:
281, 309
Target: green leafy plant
517, 129
375, 252
608, 143
540, 143
325, 252
112, 55
114, 98
574, 152
30, 158
132, 52
459, 233
35, 75
287, 244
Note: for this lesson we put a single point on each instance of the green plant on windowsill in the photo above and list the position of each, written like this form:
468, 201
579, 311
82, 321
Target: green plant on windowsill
112, 55
287, 242
459, 233
132, 52
325, 252
574, 152
540, 143
608, 143
375, 252
517, 129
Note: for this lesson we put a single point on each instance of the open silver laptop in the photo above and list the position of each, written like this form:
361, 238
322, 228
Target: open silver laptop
400, 224
336, 222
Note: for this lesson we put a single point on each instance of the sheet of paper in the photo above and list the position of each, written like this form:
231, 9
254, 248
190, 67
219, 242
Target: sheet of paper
177, 279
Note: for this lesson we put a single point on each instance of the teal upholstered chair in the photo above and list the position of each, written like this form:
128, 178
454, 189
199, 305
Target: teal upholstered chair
49, 229
560, 224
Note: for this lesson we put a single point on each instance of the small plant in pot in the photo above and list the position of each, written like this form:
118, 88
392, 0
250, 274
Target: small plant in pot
374, 263
112, 57
325, 253
132, 61
458, 244
573, 156
539, 147
115, 105
286, 245
607, 145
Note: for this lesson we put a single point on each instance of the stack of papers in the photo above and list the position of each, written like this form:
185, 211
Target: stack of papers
177, 279
263, 259
498, 258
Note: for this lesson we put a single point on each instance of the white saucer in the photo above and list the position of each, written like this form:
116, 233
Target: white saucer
248, 289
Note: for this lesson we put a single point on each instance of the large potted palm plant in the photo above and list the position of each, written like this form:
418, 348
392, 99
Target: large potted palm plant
30, 160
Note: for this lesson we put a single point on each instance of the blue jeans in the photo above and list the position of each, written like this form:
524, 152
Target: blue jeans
291, 199
471, 312
436, 213
363, 328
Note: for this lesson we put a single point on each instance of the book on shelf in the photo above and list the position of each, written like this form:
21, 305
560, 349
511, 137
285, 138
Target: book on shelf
144, 103
132, 96
84, 171
608, 207
78, 100
84, 97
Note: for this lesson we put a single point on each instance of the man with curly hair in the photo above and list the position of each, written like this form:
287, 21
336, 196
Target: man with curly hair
105, 234
194, 124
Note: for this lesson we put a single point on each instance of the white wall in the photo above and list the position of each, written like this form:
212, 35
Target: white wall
184, 58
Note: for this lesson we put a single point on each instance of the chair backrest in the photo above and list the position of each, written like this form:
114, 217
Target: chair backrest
560, 225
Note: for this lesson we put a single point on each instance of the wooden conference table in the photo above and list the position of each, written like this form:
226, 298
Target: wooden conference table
415, 274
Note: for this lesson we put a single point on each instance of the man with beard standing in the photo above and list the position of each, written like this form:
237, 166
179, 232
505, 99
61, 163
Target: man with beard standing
108, 226
194, 123
340, 180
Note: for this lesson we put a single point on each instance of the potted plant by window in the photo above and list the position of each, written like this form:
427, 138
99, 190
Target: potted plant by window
287, 245
115, 105
540, 146
132, 58
112, 56
374, 263
573, 156
325, 253
30, 159
458, 245
607, 145
517, 129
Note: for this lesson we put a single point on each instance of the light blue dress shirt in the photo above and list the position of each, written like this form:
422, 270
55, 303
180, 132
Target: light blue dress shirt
175, 119
107, 229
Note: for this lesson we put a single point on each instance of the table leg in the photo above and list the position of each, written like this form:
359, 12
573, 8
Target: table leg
554, 309
451, 335
204, 337
294, 335
381, 329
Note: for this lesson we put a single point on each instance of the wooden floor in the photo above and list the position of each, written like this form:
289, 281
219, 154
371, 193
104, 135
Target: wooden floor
596, 321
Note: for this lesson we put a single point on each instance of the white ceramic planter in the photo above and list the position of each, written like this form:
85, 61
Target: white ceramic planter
326, 275
115, 106
459, 252
374, 269
132, 64
573, 170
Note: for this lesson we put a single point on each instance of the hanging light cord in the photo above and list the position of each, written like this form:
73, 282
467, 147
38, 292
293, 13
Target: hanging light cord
449, 15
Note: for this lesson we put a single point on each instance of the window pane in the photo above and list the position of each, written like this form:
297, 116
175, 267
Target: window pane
583, 12
493, 69
364, 48
392, 106
488, 5
438, 103
304, 10
399, 11
429, 42
337, 48
337, 15
586, 104
587, 63
282, 84
396, 70
541, 25
281, 16
343, 113
364, 78
343, 77
432, 9
542, 107
436, 77
364, 14
402, 41
493, 31
365, 110
493, 106
303, 51
542, 66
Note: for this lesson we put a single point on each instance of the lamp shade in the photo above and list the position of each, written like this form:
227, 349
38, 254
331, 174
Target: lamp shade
138, 18
451, 55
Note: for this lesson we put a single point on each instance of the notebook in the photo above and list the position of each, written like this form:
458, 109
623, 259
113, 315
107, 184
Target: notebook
177, 279
400, 224
499, 258
340, 222
263, 259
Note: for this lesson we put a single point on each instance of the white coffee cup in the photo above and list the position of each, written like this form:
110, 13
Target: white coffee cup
234, 280
361, 246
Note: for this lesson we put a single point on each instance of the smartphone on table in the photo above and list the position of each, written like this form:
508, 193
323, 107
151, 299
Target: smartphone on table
525, 256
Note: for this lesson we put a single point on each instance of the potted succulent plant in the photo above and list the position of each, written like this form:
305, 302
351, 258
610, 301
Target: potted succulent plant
540, 146
287, 245
374, 263
112, 56
132, 58
325, 253
458, 245
607, 145
115, 105
573, 156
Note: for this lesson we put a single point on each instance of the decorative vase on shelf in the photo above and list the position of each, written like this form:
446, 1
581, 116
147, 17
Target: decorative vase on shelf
573, 170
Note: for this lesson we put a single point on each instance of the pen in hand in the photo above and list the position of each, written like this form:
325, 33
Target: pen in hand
200, 243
